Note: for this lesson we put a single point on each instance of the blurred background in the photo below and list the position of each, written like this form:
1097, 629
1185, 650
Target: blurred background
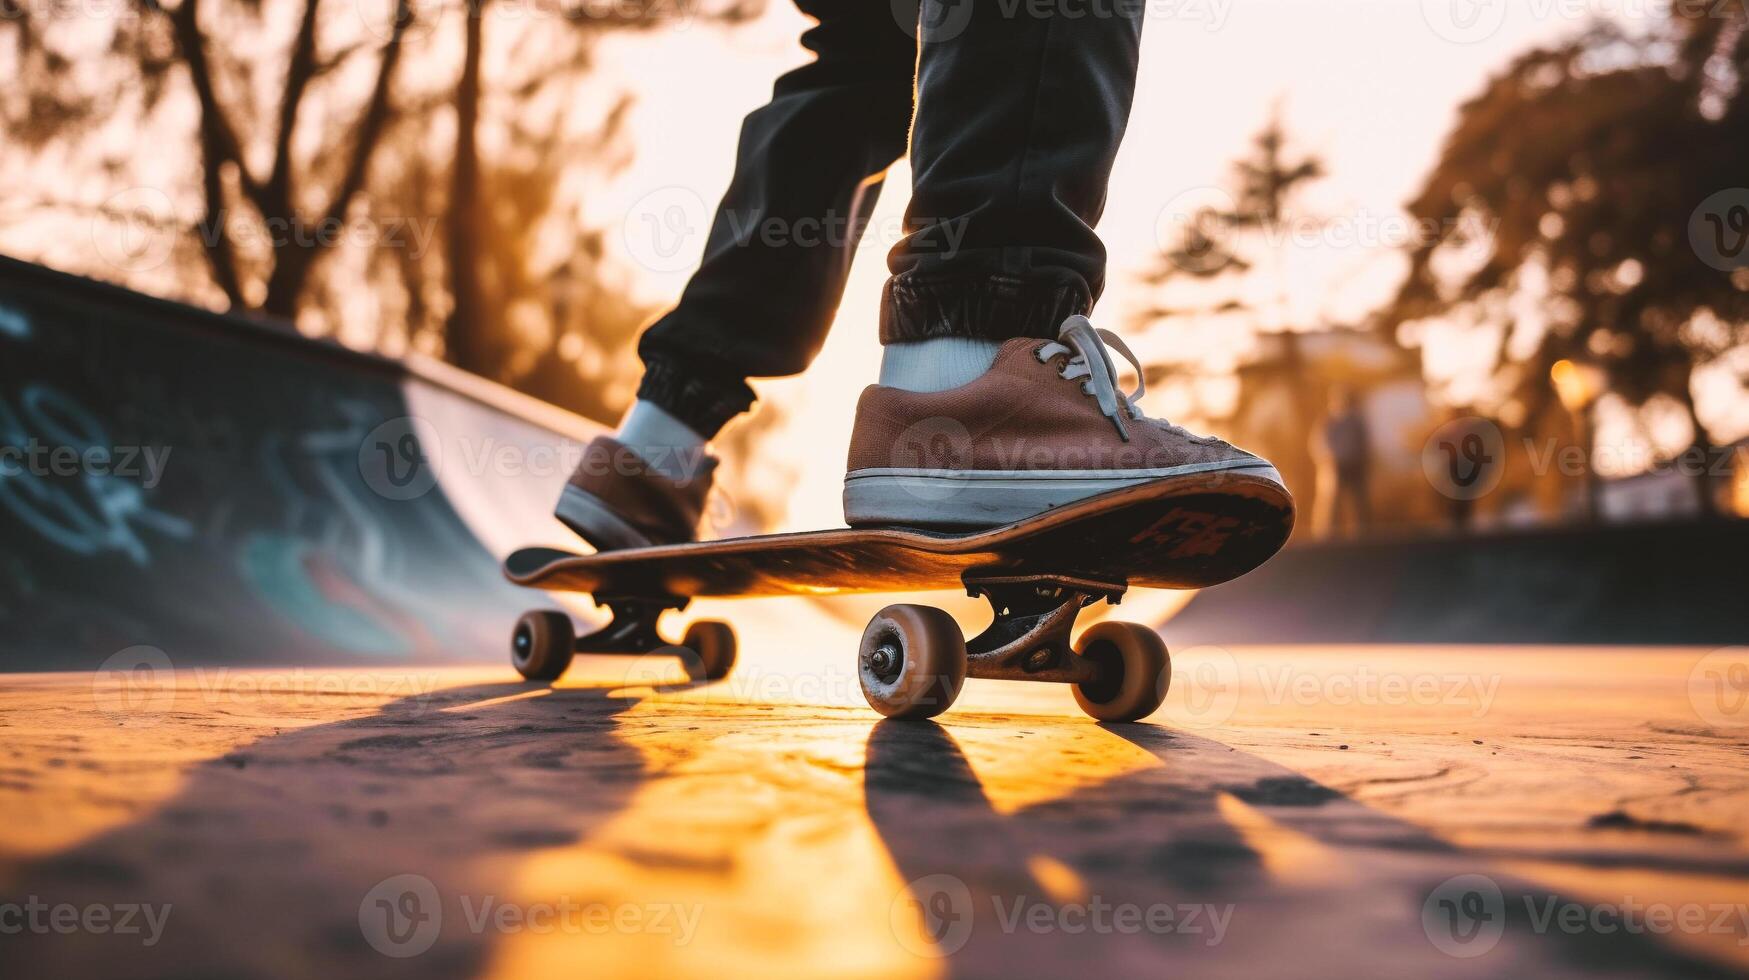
1406, 249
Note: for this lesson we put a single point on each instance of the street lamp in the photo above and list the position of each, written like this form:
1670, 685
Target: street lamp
1578, 387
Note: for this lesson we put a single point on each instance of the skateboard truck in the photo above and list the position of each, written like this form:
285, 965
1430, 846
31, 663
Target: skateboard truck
544, 640
632, 628
1029, 638
914, 659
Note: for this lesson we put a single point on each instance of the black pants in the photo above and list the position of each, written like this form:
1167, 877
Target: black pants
1019, 109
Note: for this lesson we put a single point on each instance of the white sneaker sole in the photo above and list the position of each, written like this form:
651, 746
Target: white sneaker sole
971, 499
594, 522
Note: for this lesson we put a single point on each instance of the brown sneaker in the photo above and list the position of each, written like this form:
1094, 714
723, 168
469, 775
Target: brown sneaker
1045, 426
615, 500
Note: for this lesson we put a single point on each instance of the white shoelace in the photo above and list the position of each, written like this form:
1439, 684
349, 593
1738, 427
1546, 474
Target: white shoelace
1087, 344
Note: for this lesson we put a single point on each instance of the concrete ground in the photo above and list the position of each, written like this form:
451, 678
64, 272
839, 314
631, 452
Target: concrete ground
1292, 811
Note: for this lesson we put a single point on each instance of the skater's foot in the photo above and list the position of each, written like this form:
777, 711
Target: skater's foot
1045, 426
619, 499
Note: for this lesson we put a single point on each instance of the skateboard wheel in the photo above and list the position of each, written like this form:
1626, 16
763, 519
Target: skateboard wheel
712, 645
1134, 671
542, 645
912, 661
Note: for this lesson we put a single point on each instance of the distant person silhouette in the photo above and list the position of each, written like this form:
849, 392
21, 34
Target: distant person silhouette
1343, 450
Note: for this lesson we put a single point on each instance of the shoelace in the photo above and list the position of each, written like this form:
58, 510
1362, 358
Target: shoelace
1087, 344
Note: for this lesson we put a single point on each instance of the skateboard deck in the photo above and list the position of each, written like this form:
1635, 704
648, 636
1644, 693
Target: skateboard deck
1186, 533
1037, 574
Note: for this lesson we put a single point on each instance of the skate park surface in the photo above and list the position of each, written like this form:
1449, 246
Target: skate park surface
259, 722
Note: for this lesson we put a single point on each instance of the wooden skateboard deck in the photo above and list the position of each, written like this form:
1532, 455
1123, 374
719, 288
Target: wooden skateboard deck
1037, 574
1186, 533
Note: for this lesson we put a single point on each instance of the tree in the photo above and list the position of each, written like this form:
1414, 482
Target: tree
306, 116
1603, 168
1229, 243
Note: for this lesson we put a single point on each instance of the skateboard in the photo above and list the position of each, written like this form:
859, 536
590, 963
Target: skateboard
1037, 574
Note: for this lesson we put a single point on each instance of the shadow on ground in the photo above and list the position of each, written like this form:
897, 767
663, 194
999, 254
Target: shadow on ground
273, 858
1231, 865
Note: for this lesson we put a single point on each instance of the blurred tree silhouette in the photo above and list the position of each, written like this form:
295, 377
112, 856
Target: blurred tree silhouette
1604, 168
310, 117
1223, 243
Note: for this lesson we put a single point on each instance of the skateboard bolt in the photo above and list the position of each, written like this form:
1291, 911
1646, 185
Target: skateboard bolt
1040, 659
884, 660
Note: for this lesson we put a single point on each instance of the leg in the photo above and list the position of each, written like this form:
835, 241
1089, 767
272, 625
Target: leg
1019, 116
806, 177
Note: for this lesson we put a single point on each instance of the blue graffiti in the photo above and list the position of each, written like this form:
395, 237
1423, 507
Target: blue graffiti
92, 513
14, 324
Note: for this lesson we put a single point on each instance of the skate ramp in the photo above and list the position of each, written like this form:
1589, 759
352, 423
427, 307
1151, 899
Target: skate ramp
219, 490
1643, 584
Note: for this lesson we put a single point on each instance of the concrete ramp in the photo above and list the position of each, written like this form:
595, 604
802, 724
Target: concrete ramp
223, 490
1646, 584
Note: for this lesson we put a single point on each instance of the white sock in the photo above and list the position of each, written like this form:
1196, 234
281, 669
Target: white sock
936, 364
666, 444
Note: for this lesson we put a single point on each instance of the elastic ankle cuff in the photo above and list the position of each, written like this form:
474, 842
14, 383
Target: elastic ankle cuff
704, 403
987, 307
